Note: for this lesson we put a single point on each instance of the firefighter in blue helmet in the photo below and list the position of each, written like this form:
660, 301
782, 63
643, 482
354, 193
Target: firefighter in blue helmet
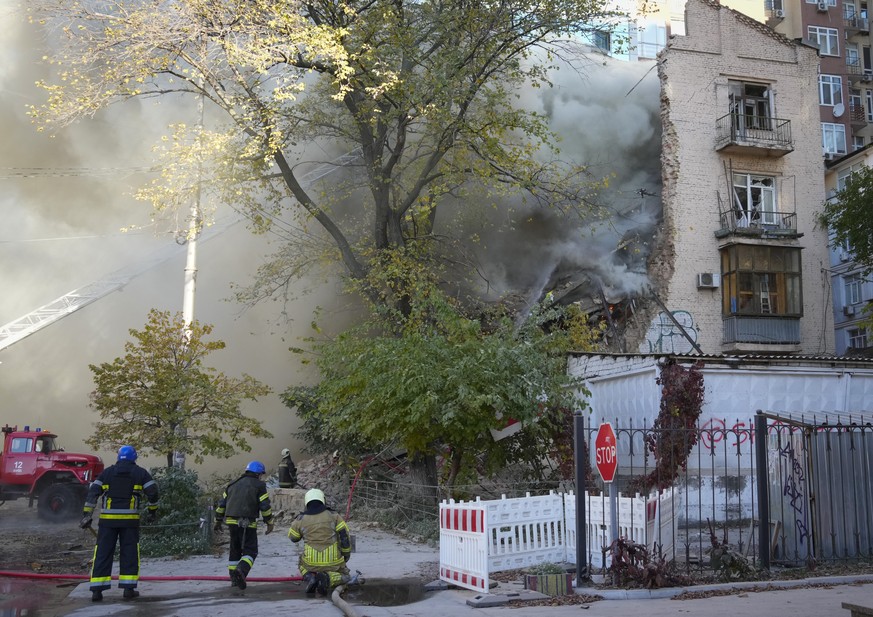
121, 487
326, 544
242, 501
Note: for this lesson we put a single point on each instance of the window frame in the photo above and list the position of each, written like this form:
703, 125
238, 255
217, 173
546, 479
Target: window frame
830, 87
761, 281
821, 35
834, 129
856, 335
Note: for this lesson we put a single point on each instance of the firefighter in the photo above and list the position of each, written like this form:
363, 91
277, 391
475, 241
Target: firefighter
242, 501
121, 487
287, 470
326, 544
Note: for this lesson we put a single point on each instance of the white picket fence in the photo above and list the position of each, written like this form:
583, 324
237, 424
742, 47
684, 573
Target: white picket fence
481, 537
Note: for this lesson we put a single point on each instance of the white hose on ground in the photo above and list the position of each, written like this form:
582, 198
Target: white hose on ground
345, 607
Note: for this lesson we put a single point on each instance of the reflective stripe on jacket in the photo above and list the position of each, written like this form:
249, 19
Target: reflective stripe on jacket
121, 488
325, 536
245, 498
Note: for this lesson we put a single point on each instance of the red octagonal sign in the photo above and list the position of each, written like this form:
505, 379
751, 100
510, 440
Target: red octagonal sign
605, 453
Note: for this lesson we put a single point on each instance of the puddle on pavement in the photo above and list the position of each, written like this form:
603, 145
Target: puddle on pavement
32, 598
49, 598
385, 592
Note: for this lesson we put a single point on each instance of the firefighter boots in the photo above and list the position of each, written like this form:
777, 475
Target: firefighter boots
130, 594
310, 581
96, 596
323, 583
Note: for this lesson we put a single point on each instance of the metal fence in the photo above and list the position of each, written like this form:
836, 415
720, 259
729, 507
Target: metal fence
808, 478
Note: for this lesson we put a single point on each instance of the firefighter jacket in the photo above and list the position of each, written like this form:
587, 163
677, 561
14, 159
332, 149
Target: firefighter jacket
122, 487
245, 498
326, 539
287, 473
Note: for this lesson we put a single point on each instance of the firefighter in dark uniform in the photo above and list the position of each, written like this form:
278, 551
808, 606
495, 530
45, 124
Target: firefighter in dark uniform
242, 501
327, 544
287, 470
121, 487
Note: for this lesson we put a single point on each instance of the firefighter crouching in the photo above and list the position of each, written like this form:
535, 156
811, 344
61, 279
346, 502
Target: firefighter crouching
121, 486
326, 544
242, 501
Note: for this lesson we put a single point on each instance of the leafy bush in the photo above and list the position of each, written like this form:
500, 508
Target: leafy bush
179, 530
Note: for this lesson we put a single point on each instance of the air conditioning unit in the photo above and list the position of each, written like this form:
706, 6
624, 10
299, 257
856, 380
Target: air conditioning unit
822, 7
849, 310
844, 256
779, 14
708, 280
829, 156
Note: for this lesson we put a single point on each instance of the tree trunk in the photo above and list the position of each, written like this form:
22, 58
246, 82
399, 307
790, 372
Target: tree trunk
423, 477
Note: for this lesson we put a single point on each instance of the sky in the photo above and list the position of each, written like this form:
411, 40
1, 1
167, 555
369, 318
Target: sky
65, 198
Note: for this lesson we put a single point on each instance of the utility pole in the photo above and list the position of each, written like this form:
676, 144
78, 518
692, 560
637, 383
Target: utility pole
195, 219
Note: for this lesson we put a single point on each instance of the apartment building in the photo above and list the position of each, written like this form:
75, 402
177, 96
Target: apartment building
740, 265
841, 31
852, 290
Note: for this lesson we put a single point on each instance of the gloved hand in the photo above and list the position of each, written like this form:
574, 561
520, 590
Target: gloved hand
346, 557
151, 516
85, 522
269, 529
217, 526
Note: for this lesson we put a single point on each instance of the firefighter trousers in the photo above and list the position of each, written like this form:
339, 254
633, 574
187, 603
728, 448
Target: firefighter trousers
127, 539
243, 548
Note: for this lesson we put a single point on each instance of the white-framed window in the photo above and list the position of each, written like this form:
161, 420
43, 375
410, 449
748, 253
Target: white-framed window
857, 142
830, 90
852, 284
828, 2
833, 138
857, 338
754, 199
827, 38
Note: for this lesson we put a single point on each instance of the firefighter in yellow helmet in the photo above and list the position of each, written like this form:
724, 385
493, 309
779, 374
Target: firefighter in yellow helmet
327, 544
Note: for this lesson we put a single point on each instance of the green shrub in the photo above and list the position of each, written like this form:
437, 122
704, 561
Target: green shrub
181, 528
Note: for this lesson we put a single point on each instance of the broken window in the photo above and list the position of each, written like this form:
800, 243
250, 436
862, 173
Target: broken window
751, 106
754, 200
761, 280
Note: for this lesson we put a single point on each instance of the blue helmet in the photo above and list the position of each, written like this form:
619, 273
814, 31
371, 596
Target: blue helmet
256, 467
126, 453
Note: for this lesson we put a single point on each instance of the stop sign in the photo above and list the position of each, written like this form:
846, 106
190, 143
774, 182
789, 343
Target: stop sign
605, 453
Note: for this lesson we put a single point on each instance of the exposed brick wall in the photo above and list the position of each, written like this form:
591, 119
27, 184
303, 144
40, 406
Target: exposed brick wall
722, 44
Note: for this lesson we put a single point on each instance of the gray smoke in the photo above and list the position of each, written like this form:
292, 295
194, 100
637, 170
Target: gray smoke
65, 198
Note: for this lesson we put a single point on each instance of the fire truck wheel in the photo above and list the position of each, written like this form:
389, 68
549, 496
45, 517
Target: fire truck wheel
59, 503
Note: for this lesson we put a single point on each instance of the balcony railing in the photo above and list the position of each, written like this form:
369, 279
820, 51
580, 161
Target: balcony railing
747, 133
734, 220
857, 115
761, 330
854, 23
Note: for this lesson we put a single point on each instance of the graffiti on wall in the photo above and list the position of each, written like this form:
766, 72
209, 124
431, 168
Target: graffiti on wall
665, 336
794, 489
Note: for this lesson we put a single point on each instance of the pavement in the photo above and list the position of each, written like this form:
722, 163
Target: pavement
393, 569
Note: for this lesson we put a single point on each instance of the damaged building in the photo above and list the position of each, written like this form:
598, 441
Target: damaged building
738, 265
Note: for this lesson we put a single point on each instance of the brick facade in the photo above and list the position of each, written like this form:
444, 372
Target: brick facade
721, 45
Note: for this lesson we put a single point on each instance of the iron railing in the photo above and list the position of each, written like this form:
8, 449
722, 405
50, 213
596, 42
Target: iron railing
753, 130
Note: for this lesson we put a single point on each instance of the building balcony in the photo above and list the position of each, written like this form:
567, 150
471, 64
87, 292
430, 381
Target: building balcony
857, 73
754, 135
855, 25
756, 224
857, 116
777, 333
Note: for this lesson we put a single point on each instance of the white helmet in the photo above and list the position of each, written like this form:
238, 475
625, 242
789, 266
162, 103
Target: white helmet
313, 494
286, 452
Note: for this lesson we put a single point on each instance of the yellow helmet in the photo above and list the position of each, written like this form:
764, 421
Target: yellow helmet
313, 494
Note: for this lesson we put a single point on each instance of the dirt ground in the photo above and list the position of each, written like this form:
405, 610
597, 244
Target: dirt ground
31, 545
